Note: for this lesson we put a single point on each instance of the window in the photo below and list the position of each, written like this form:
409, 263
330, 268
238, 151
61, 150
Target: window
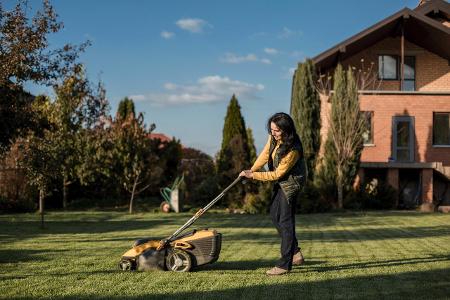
368, 132
387, 67
409, 71
441, 129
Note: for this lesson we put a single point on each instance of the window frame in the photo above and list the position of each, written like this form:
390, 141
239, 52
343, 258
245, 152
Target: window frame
371, 141
410, 79
433, 126
396, 67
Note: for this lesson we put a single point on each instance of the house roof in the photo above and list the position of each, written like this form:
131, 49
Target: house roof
436, 6
160, 136
418, 29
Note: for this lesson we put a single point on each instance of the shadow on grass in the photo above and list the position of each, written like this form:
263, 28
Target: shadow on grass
351, 234
248, 265
382, 263
25, 255
17, 231
59, 274
431, 284
14, 228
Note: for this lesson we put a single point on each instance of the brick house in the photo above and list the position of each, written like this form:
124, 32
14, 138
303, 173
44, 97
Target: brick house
408, 140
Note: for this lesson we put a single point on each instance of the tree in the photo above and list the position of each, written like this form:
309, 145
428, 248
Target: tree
251, 145
170, 154
78, 107
234, 155
305, 111
198, 168
25, 56
346, 128
134, 155
40, 163
126, 107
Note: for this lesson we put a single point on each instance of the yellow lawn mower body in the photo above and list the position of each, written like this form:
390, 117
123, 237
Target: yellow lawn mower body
193, 249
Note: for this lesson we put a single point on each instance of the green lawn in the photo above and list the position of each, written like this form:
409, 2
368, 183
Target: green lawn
349, 255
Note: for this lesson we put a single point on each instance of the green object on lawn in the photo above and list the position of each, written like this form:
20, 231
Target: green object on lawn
166, 193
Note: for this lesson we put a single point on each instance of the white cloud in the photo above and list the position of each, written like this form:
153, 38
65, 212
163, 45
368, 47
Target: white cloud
170, 86
137, 97
167, 34
231, 58
271, 51
208, 89
192, 25
297, 54
287, 33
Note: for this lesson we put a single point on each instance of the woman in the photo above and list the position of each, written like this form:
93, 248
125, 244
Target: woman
284, 155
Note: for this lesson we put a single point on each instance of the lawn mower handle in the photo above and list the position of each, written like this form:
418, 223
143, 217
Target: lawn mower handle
197, 215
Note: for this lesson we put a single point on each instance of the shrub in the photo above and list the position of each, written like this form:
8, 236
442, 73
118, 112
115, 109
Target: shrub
380, 195
258, 203
374, 195
312, 200
17, 205
253, 204
207, 190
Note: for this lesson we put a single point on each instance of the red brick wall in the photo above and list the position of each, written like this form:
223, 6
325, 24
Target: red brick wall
432, 75
432, 71
421, 107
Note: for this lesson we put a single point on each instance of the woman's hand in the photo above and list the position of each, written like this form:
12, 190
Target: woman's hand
246, 173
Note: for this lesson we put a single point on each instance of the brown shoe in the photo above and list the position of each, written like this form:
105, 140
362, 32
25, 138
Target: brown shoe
298, 259
276, 271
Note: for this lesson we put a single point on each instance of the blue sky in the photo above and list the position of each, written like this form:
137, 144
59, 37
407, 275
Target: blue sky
181, 61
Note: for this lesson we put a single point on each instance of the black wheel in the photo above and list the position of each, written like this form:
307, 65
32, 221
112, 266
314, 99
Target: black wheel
127, 265
178, 261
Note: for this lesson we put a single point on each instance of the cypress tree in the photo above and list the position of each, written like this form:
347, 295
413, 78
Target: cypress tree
234, 123
251, 145
234, 154
305, 111
126, 107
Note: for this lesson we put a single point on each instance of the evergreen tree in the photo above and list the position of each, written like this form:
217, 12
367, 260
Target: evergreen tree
305, 111
126, 107
234, 155
251, 145
234, 123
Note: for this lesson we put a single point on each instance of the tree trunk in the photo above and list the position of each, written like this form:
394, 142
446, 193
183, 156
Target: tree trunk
41, 206
132, 193
65, 190
340, 189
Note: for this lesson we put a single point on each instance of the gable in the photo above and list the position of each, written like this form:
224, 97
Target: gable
418, 28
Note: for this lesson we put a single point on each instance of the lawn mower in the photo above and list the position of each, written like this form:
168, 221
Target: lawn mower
179, 252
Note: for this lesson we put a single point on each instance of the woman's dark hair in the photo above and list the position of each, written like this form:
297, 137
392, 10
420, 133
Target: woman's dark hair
288, 134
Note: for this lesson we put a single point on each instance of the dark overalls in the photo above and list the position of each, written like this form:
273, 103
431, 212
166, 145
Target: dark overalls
282, 208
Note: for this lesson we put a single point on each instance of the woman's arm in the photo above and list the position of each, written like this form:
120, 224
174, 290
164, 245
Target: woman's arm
263, 158
286, 163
